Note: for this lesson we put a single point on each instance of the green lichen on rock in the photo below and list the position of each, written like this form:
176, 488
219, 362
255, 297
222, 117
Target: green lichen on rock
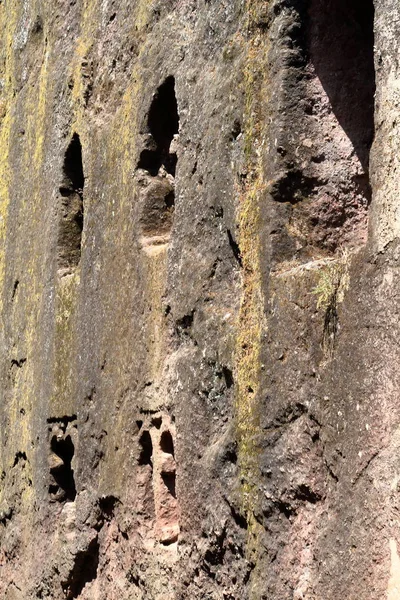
63, 401
251, 315
332, 283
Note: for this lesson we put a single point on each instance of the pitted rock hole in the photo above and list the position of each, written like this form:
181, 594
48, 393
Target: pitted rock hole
157, 166
62, 450
63, 488
144, 483
166, 443
146, 450
158, 507
169, 480
72, 207
163, 125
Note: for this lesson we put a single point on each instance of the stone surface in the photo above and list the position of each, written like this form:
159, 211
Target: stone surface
199, 300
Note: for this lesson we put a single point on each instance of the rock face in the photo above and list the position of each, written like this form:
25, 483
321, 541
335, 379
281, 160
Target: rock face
199, 341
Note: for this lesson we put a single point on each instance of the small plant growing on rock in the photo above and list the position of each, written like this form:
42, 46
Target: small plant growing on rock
330, 289
333, 281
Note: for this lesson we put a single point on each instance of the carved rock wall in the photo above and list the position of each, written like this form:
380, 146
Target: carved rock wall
198, 299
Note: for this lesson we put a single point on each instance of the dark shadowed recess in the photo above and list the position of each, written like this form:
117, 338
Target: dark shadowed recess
84, 570
73, 167
63, 474
341, 45
72, 206
166, 443
169, 480
163, 124
146, 449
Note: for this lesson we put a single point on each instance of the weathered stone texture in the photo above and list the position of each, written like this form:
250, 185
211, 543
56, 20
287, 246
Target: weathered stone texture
199, 306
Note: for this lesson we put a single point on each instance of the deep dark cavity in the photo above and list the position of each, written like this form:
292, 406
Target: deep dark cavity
62, 420
74, 179
170, 200
146, 506
166, 443
84, 570
72, 206
158, 158
157, 422
228, 376
146, 449
169, 480
107, 504
63, 488
163, 124
341, 46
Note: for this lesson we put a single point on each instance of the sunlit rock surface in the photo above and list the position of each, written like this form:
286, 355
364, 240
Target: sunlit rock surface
199, 335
